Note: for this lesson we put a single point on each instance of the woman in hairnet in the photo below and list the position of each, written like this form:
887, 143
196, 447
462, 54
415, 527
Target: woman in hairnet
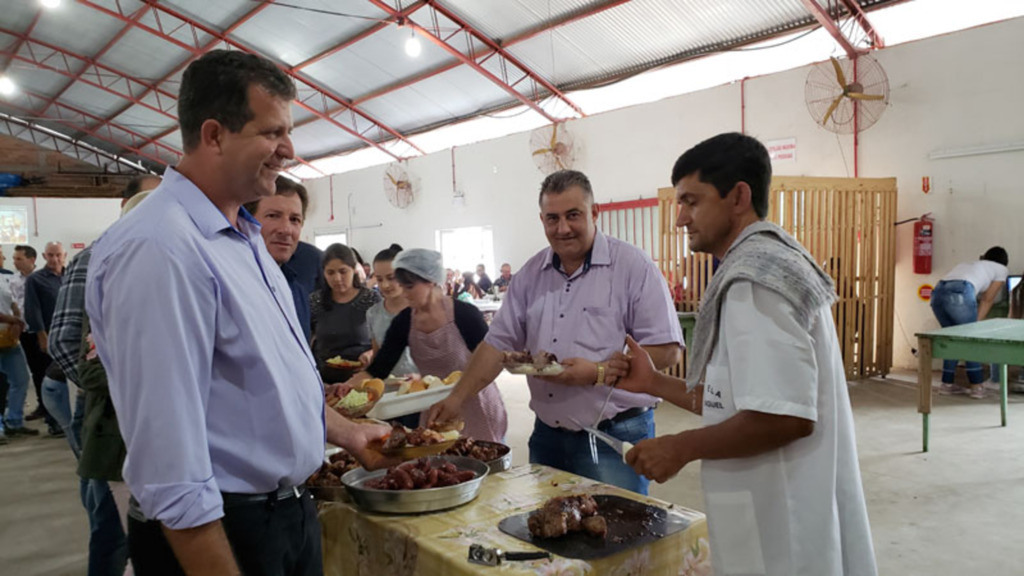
441, 334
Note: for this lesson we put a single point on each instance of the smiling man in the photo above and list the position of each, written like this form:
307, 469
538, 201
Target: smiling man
281, 217
578, 299
206, 362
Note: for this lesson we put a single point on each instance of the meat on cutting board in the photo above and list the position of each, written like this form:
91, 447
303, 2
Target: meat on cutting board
564, 514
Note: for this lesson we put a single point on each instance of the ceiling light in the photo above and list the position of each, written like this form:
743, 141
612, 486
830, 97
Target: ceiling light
413, 46
7, 86
50, 3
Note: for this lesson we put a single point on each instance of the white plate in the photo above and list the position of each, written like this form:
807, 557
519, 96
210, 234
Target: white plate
393, 405
530, 370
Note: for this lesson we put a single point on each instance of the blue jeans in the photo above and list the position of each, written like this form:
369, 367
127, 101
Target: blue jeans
108, 547
570, 451
14, 366
55, 398
954, 303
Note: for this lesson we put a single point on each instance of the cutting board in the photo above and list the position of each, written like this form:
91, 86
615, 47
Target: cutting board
630, 524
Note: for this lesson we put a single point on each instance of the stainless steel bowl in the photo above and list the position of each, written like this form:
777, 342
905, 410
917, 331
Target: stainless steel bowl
415, 501
503, 462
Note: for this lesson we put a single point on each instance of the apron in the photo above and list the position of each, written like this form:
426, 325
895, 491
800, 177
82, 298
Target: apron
442, 352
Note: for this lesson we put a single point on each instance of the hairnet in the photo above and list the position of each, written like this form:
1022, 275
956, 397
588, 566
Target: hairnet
423, 263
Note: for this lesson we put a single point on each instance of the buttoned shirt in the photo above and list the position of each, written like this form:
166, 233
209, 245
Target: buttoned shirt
41, 298
214, 385
18, 290
65, 336
302, 271
586, 314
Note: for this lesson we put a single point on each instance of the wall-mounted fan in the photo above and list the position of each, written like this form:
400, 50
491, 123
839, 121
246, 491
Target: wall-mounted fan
553, 148
398, 186
833, 91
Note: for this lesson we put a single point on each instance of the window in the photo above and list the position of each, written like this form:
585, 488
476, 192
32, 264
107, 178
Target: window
324, 239
463, 249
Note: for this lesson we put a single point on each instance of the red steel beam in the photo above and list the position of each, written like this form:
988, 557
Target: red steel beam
317, 103
63, 144
825, 19
862, 18
505, 61
356, 38
106, 47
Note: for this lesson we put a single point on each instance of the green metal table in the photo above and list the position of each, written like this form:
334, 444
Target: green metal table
997, 341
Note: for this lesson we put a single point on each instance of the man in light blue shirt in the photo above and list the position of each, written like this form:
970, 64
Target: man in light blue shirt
217, 394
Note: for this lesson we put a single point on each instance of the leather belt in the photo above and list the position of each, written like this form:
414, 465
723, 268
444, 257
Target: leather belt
235, 499
626, 415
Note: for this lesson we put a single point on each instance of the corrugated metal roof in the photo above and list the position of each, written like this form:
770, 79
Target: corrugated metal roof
570, 43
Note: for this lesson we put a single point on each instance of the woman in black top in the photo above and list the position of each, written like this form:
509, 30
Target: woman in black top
338, 315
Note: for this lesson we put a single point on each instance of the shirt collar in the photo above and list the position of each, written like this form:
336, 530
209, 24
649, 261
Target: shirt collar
598, 255
208, 219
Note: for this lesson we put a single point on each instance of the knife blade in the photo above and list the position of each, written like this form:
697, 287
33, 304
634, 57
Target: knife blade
620, 446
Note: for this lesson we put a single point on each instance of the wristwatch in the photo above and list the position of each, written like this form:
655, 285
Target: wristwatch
600, 374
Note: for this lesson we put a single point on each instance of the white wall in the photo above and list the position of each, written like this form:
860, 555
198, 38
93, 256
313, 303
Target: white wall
953, 91
65, 220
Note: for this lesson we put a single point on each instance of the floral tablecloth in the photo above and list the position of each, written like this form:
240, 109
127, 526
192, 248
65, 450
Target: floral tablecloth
365, 544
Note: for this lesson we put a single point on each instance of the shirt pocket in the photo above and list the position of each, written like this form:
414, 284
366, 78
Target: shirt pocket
601, 331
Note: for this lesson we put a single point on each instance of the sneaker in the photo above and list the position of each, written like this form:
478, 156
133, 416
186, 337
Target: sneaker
978, 391
35, 415
952, 389
56, 432
21, 431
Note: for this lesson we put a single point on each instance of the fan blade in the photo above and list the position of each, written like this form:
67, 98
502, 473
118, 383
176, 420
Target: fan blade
554, 135
392, 178
544, 151
558, 161
831, 109
840, 77
860, 96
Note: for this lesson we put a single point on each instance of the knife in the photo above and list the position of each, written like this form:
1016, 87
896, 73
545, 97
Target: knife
493, 556
620, 446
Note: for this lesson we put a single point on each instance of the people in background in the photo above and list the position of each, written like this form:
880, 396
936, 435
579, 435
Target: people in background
206, 362
40, 299
381, 314
338, 312
281, 217
468, 289
25, 264
505, 278
778, 454
441, 335
578, 299
1017, 313
13, 367
364, 272
98, 441
3, 264
482, 280
964, 295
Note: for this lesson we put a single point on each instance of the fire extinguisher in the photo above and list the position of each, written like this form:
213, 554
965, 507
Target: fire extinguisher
924, 229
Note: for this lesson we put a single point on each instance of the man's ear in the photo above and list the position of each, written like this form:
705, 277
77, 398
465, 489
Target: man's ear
744, 199
211, 134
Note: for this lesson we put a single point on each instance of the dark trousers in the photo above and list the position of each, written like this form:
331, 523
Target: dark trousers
37, 363
268, 539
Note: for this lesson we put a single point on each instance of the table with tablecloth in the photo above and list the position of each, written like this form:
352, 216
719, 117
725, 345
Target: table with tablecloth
368, 544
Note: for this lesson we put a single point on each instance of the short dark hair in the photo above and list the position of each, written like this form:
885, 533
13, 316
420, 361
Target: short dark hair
216, 87
726, 159
558, 182
284, 187
134, 185
29, 251
388, 254
997, 254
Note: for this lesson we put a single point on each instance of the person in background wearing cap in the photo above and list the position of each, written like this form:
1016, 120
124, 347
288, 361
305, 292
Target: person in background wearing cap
441, 334
578, 300
105, 503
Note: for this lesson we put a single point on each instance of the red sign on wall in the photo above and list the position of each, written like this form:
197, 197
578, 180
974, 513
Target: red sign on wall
78, 245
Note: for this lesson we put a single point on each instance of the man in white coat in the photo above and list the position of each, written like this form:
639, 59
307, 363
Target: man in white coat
779, 459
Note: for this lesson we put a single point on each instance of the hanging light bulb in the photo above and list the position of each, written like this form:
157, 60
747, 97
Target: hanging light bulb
413, 46
7, 86
50, 3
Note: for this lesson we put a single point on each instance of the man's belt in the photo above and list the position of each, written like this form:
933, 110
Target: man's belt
234, 499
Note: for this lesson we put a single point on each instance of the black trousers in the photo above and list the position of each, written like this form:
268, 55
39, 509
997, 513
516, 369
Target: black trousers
279, 538
37, 363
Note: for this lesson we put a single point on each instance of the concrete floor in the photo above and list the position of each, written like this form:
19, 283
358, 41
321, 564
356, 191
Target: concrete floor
953, 511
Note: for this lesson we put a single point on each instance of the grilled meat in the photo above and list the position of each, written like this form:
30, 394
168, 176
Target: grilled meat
564, 514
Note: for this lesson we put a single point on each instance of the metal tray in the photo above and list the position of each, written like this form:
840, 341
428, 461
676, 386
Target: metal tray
630, 524
415, 501
501, 463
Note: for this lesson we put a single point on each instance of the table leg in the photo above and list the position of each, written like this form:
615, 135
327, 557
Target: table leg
1003, 372
924, 384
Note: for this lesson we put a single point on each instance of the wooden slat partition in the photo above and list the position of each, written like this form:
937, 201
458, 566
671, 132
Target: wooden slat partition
847, 224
